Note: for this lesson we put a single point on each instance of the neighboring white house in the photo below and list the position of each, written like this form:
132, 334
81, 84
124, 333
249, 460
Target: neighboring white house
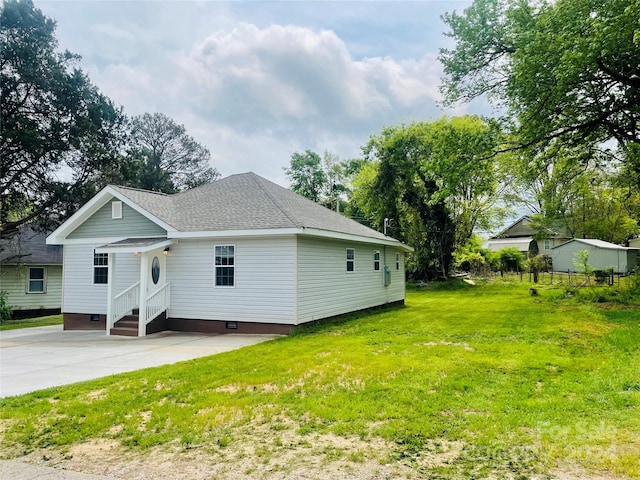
31, 273
241, 254
602, 255
520, 235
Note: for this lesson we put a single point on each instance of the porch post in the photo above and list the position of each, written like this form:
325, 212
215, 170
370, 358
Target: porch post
144, 275
111, 268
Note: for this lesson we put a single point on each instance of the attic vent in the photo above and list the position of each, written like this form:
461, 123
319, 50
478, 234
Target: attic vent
116, 209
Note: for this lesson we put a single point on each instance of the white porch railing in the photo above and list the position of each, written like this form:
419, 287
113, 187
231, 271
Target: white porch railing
123, 304
157, 302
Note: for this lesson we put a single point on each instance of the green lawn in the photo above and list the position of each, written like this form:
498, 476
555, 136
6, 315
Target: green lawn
32, 322
465, 381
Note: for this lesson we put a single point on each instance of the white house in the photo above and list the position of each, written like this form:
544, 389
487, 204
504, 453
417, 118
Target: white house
241, 254
31, 273
602, 255
520, 235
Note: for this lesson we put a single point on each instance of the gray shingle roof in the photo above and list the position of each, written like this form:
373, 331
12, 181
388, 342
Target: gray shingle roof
598, 243
29, 248
243, 202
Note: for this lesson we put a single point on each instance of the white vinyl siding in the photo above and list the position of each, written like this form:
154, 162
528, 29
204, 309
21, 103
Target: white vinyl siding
264, 280
102, 223
15, 281
81, 295
323, 288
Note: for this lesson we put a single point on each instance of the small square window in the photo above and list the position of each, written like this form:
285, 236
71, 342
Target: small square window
376, 260
37, 279
351, 259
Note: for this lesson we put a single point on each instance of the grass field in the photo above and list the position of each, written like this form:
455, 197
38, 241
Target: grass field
32, 322
463, 382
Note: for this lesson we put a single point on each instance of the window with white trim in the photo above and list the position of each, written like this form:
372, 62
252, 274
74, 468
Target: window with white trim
116, 209
351, 259
225, 265
37, 280
376, 260
547, 244
100, 268
397, 261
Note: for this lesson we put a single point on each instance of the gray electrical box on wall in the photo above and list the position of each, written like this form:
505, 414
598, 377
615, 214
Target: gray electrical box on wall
387, 275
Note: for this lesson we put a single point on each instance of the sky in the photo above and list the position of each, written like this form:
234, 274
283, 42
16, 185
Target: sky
256, 81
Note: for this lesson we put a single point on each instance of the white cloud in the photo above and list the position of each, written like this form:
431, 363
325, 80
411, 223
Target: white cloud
279, 77
255, 82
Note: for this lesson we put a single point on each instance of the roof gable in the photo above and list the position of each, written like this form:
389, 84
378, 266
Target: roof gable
522, 228
102, 198
131, 224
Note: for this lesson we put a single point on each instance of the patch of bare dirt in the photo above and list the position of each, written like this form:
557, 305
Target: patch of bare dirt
271, 448
321, 457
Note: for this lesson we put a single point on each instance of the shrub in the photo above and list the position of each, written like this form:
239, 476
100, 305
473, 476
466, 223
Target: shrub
510, 259
604, 275
5, 308
471, 257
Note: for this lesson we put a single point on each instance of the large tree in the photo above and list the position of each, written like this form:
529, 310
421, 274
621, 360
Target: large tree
57, 130
307, 175
164, 158
437, 180
566, 71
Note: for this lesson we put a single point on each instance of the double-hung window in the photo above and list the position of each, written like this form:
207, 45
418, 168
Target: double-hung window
37, 279
100, 268
351, 259
376, 260
225, 265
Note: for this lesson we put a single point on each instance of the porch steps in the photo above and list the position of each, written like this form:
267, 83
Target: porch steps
126, 326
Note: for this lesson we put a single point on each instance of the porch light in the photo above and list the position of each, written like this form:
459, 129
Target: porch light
166, 250
136, 253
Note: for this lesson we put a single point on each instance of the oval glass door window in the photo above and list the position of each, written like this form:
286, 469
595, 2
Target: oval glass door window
155, 270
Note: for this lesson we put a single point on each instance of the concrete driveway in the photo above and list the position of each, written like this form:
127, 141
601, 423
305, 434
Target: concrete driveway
42, 357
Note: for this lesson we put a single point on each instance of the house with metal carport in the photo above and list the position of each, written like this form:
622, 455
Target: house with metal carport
241, 254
